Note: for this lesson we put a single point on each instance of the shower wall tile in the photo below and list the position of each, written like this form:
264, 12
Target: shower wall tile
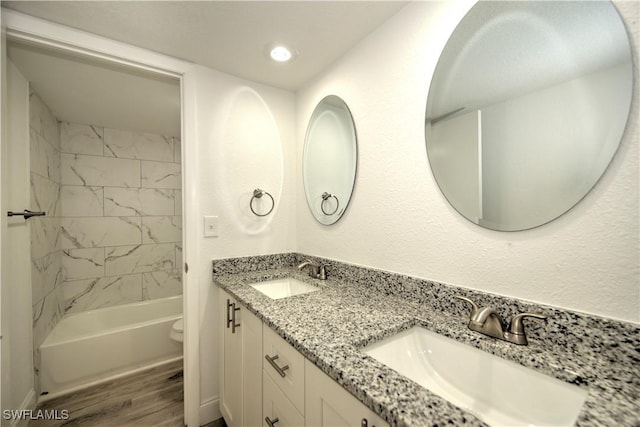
177, 150
100, 232
46, 275
138, 201
139, 259
78, 201
161, 175
142, 146
46, 258
120, 206
83, 263
46, 313
161, 284
42, 120
43, 157
45, 235
178, 202
179, 260
161, 229
81, 139
45, 195
78, 169
89, 294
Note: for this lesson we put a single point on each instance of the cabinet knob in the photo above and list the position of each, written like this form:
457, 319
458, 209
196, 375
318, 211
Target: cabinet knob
270, 422
365, 423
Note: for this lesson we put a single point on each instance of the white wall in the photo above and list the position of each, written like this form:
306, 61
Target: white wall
221, 191
587, 260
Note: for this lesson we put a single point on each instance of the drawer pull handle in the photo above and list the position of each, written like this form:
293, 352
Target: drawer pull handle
271, 423
365, 423
272, 362
229, 305
234, 325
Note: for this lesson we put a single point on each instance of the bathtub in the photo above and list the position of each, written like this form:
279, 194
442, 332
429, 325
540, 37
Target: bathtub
91, 347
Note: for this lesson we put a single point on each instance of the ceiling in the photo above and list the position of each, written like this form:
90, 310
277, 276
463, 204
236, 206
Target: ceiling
81, 90
229, 36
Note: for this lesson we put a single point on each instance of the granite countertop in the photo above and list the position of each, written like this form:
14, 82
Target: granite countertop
330, 326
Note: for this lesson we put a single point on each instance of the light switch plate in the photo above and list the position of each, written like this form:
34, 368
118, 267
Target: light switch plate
211, 226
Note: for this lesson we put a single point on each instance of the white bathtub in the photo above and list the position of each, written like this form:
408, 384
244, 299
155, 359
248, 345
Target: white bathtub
95, 346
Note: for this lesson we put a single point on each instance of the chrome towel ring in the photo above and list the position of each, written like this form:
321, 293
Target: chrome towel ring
326, 196
257, 194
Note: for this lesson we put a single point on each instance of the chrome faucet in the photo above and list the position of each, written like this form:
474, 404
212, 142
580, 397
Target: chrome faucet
487, 321
317, 271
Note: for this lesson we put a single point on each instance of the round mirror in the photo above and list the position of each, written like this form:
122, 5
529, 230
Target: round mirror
527, 106
329, 160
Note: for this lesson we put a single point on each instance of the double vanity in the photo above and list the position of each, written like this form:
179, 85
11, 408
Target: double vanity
366, 347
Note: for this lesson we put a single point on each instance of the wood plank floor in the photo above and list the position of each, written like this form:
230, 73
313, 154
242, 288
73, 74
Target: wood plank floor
150, 398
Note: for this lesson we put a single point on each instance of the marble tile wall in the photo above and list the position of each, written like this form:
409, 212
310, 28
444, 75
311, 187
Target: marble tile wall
121, 216
46, 254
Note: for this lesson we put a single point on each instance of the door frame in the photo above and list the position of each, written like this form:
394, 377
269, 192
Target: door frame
27, 29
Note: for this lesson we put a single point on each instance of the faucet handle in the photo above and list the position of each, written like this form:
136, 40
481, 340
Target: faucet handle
517, 327
322, 272
474, 307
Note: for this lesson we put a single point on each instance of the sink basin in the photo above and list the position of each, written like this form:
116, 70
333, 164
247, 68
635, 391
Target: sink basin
283, 288
497, 391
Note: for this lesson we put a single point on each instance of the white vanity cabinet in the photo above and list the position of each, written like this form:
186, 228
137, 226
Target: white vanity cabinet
264, 381
240, 364
327, 404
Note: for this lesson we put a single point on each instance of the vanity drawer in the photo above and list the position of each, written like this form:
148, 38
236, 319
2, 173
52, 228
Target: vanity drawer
276, 406
285, 366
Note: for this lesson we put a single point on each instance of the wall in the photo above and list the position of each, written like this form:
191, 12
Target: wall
46, 256
219, 194
587, 260
121, 209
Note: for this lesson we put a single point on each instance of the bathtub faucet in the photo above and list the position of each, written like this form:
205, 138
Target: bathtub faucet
317, 271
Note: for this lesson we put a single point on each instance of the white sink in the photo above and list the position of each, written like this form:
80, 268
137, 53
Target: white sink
283, 288
497, 391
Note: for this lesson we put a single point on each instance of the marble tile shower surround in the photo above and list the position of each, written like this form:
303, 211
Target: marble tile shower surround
121, 225
600, 353
46, 256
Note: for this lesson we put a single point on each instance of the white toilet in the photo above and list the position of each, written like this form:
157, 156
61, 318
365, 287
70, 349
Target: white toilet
177, 330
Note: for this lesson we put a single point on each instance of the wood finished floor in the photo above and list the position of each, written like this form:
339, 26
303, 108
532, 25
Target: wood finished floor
150, 398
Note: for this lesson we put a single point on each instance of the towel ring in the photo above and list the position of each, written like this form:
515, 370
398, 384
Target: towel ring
257, 194
326, 196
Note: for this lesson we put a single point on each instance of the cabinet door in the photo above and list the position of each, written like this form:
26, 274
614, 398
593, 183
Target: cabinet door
277, 407
230, 362
327, 404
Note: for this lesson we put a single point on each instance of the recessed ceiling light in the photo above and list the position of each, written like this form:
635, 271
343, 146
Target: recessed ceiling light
280, 53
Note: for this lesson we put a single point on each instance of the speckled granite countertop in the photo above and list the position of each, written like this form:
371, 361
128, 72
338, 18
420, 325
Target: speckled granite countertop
329, 327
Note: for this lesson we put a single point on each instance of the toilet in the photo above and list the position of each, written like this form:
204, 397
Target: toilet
177, 330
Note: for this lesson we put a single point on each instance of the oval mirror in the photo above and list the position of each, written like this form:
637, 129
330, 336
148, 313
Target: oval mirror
527, 107
329, 160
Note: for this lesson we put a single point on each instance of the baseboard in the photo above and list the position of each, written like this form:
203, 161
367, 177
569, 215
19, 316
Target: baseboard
210, 410
28, 403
